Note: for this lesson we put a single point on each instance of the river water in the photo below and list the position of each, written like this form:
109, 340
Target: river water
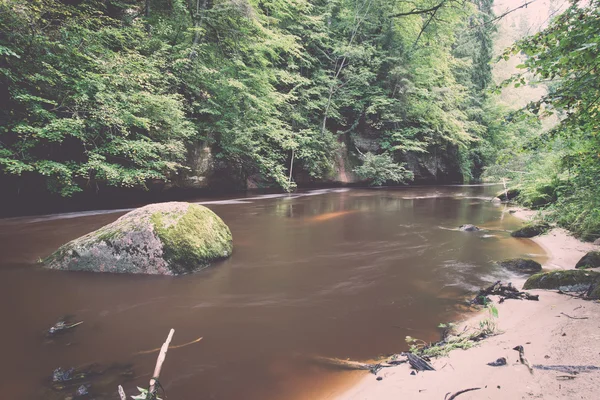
345, 273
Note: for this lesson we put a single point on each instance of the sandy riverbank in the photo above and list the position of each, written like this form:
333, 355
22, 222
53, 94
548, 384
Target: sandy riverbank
548, 336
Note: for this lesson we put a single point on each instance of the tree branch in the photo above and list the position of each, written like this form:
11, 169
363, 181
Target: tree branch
491, 21
418, 11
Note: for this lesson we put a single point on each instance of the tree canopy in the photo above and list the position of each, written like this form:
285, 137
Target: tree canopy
114, 92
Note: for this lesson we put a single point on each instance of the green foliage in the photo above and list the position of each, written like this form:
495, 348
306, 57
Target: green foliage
380, 169
103, 93
558, 170
453, 340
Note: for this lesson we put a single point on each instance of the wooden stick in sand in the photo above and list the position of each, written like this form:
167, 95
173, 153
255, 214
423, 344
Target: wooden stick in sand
159, 362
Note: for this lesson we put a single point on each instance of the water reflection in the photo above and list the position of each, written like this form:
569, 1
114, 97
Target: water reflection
339, 273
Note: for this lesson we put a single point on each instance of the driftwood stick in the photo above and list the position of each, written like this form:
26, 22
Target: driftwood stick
455, 395
159, 362
567, 315
122, 393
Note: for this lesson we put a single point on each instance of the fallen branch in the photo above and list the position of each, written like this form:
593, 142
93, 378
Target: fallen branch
455, 395
567, 315
504, 291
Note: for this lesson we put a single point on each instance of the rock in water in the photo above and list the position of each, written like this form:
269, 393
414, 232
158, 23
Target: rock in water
523, 265
468, 228
531, 230
158, 239
590, 260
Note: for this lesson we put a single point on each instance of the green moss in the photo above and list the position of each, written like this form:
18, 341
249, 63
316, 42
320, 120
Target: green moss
191, 241
531, 230
568, 280
107, 235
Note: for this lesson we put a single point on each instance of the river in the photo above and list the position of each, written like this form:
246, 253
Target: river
343, 273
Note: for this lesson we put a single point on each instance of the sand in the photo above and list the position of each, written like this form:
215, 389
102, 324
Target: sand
548, 336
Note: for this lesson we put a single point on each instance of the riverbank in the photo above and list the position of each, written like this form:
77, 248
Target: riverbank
546, 329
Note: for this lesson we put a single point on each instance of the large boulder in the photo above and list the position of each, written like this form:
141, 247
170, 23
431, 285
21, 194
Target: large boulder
567, 281
522, 265
531, 230
159, 239
590, 260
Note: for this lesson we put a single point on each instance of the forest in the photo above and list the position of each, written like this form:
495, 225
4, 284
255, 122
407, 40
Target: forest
100, 94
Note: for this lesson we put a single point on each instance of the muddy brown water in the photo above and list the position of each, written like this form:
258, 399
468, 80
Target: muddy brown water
343, 273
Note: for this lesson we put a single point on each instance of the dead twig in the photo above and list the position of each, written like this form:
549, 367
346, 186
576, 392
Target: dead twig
170, 347
455, 395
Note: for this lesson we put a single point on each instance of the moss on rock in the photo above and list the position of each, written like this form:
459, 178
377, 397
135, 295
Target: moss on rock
522, 265
193, 239
531, 230
162, 239
566, 280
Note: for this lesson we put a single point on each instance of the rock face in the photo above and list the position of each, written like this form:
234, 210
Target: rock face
468, 228
567, 281
531, 230
522, 265
158, 239
590, 260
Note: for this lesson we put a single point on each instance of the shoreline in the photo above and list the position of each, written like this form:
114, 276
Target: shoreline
548, 336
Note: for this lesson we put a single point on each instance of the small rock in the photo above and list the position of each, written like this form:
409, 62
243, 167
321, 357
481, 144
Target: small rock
379, 378
590, 260
413, 373
82, 391
522, 265
564, 334
60, 375
531, 230
498, 363
468, 228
